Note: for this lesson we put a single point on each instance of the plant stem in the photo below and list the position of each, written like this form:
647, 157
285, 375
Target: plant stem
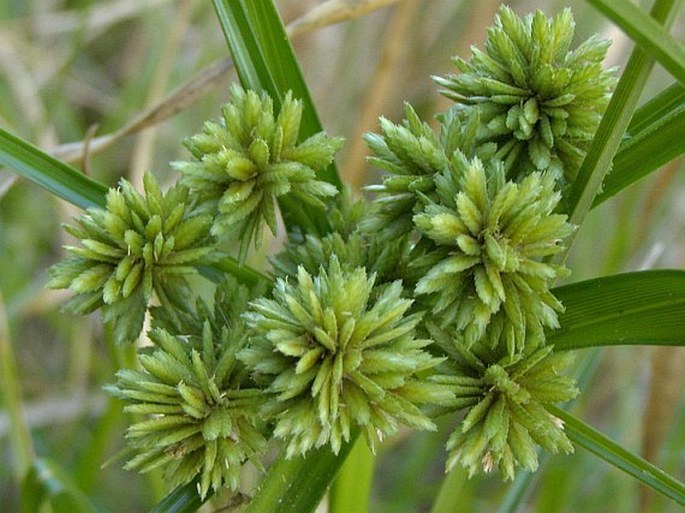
352, 487
449, 497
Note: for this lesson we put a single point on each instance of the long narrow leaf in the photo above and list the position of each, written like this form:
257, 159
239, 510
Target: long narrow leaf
57, 177
351, 490
600, 445
183, 499
647, 32
634, 308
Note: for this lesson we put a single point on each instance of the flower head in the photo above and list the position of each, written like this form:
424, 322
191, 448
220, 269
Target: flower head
339, 353
139, 244
201, 414
504, 396
249, 157
539, 101
491, 235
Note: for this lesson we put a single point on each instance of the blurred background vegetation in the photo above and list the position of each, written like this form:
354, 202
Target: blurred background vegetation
115, 85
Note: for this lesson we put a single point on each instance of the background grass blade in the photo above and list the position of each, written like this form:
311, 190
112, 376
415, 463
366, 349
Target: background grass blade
53, 175
592, 440
47, 483
647, 32
654, 139
634, 308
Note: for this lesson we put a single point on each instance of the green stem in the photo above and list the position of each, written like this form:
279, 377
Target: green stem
450, 498
352, 487
298, 484
613, 125
20, 434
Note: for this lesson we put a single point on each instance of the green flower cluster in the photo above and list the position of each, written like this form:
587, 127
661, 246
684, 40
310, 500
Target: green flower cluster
453, 255
492, 235
138, 244
505, 396
336, 353
480, 204
201, 414
540, 102
250, 157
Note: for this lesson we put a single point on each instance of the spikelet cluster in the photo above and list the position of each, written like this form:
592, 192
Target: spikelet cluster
250, 157
200, 411
492, 235
137, 245
505, 397
348, 241
540, 102
338, 353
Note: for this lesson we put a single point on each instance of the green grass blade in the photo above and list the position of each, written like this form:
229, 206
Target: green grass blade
647, 32
47, 483
600, 445
249, 61
634, 308
298, 484
655, 138
11, 400
51, 174
660, 105
351, 489
614, 124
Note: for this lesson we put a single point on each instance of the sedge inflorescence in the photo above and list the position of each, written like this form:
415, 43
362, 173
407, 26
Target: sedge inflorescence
435, 298
339, 354
492, 234
246, 160
539, 101
137, 245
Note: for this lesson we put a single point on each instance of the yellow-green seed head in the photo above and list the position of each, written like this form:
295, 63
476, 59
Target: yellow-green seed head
249, 157
539, 101
338, 354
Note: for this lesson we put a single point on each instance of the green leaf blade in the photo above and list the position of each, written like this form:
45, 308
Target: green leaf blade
51, 174
634, 308
600, 445
654, 139
647, 32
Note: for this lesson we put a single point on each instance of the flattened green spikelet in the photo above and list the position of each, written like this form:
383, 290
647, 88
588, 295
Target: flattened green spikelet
199, 420
504, 397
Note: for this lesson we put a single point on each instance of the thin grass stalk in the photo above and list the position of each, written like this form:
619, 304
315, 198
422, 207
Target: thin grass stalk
613, 125
20, 434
